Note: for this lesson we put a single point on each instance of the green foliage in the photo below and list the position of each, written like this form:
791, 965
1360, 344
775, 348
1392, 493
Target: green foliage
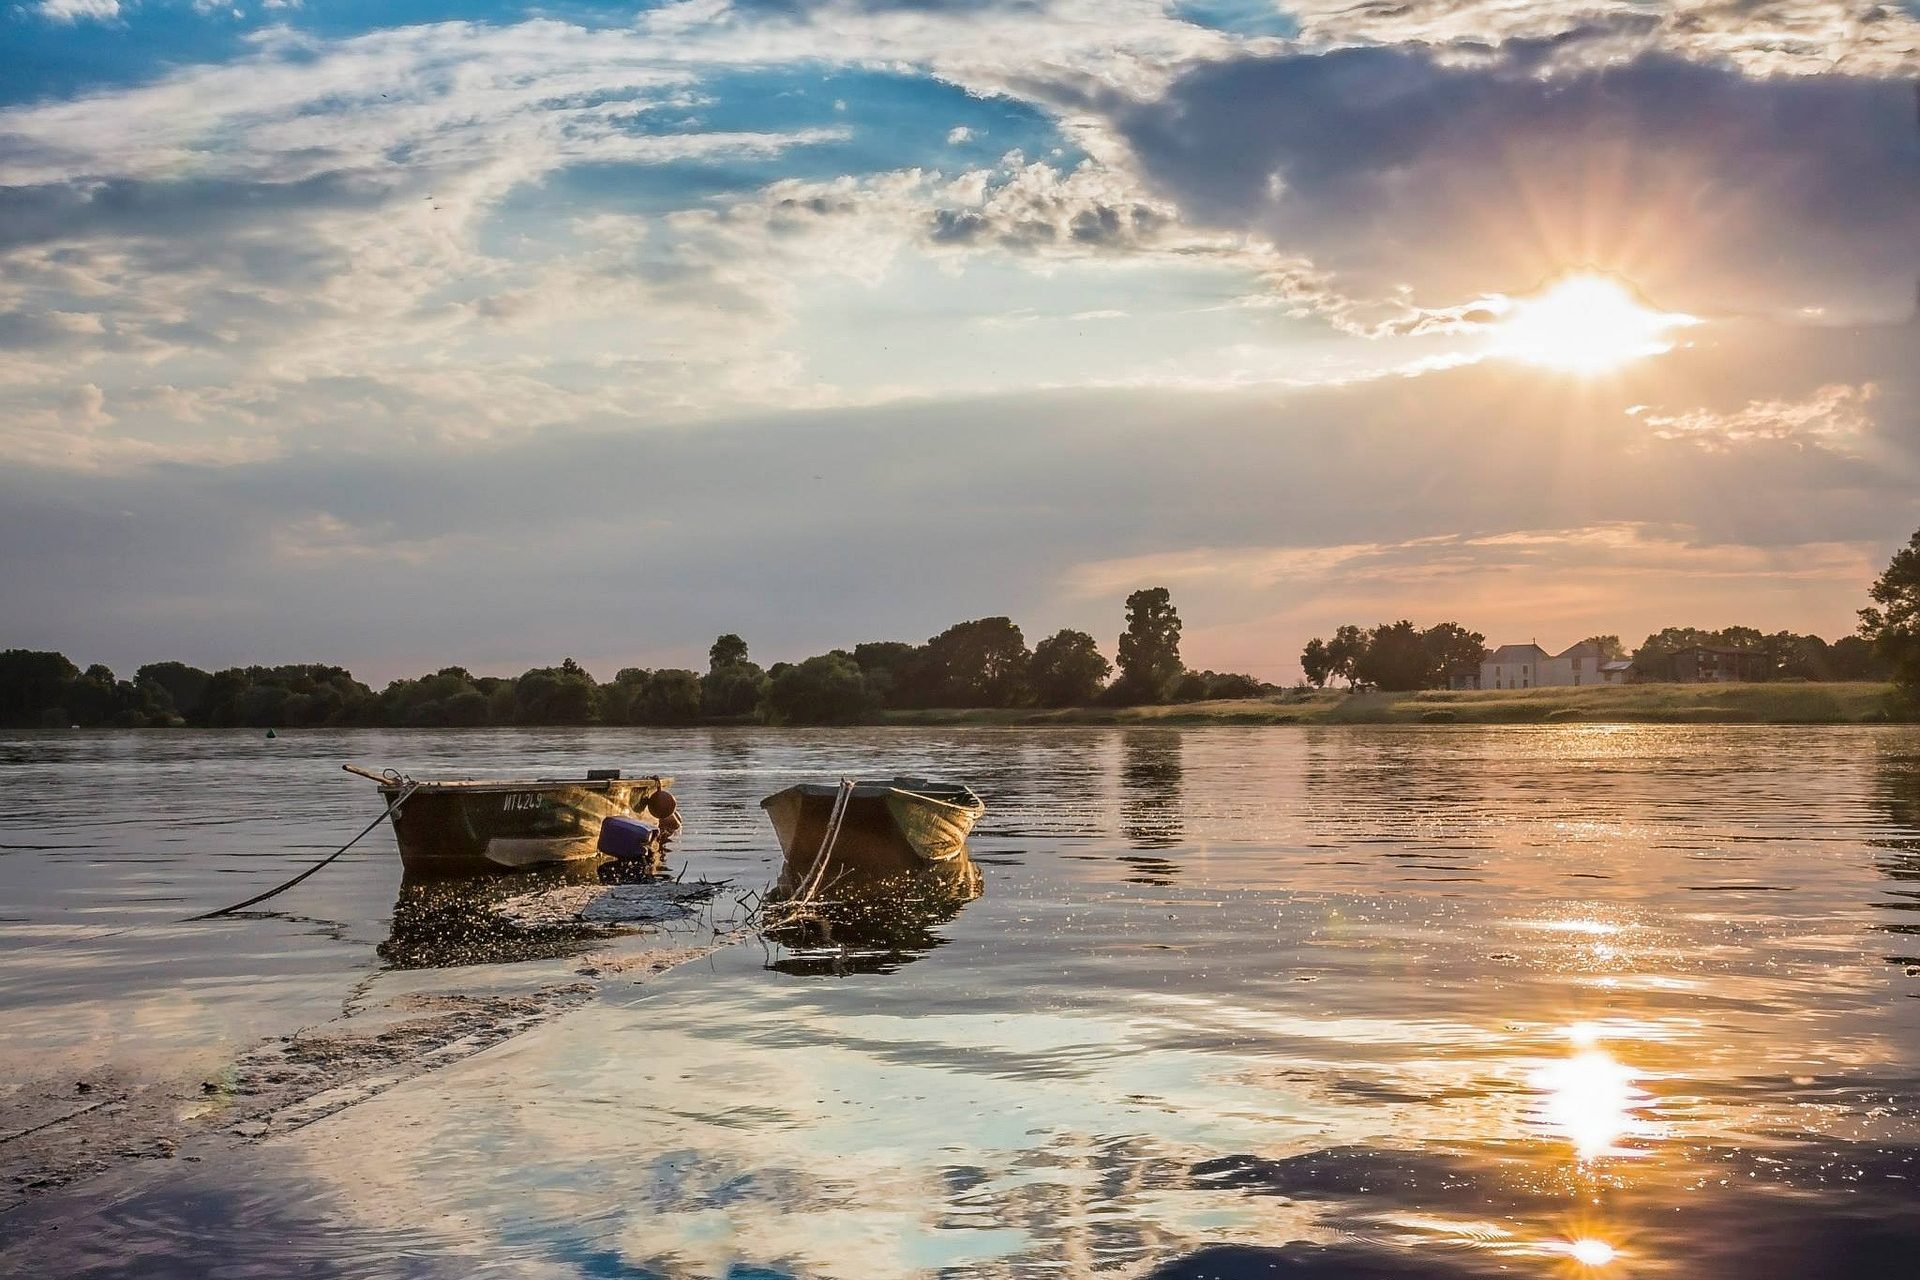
1149, 653
1451, 647
671, 696
733, 691
1396, 658
828, 689
727, 651
732, 686
1316, 662
895, 671
1611, 650
1892, 622
1344, 651
982, 663
175, 686
1067, 670
34, 688
565, 694
447, 698
295, 696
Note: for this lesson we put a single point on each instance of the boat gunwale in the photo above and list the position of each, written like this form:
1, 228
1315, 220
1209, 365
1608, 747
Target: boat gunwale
470, 786
886, 789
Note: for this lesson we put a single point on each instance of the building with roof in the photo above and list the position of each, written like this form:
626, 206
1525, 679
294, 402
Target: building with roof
1528, 666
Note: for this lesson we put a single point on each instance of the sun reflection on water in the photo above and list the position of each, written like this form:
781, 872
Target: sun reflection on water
1590, 1099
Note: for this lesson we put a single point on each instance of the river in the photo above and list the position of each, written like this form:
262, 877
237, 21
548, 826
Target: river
1634, 1001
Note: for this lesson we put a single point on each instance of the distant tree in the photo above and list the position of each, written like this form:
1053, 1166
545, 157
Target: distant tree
671, 696
565, 694
1067, 670
448, 697
1892, 622
732, 686
1797, 657
34, 687
1316, 662
735, 690
1853, 658
1396, 658
1216, 686
1149, 654
897, 672
1344, 651
982, 663
827, 689
1653, 660
182, 686
1611, 650
729, 650
617, 700
297, 695
1450, 648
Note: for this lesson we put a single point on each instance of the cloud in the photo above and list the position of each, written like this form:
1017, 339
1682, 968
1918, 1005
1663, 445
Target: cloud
1759, 36
1835, 417
1713, 190
79, 10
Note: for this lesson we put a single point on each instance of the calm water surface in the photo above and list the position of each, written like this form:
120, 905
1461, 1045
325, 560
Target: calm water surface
1450, 1002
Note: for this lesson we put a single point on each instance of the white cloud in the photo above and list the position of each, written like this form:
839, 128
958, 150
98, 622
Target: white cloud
958, 134
79, 10
1836, 417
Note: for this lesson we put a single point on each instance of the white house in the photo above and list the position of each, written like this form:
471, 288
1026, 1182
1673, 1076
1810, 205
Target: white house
1528, 666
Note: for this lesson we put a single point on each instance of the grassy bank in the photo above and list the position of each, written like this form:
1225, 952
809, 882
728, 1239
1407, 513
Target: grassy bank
1787, 703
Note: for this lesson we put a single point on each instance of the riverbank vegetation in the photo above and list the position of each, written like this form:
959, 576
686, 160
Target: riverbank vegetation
982, 664
981, 671
1796, 702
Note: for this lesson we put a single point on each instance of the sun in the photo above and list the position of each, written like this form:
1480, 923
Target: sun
1584, 323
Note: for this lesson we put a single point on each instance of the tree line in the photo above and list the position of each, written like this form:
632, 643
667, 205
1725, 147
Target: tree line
984, 662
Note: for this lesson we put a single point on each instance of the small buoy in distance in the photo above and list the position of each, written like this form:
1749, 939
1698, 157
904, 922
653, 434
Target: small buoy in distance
272, 734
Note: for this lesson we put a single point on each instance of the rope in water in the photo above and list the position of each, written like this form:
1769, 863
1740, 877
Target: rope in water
408, 789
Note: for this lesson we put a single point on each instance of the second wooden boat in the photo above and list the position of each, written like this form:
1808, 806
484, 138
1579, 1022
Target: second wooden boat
890, 826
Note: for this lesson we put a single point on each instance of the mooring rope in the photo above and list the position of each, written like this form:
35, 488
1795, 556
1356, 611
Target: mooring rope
409, 788
829, 838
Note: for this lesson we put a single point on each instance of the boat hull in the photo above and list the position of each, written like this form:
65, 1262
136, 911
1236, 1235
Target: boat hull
887, 830
448, 829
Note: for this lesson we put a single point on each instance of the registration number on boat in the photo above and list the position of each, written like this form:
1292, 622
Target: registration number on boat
520, 800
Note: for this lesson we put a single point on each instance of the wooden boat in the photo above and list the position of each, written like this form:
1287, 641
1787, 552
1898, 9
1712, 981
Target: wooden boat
476, 826
889, 827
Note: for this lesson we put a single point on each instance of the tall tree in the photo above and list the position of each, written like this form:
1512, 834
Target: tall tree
1396, 658
1316, 662
727, 651
1892, 622
1348, 646
1450, 648
1067, 669
1150, 663
982, 663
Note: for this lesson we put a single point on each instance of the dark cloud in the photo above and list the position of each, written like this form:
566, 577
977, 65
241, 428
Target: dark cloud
191, 209
1487, 171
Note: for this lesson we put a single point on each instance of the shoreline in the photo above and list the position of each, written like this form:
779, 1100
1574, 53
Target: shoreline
1782, 703
1774, 703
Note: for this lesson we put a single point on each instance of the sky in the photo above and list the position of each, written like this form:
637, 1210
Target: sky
406, 334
